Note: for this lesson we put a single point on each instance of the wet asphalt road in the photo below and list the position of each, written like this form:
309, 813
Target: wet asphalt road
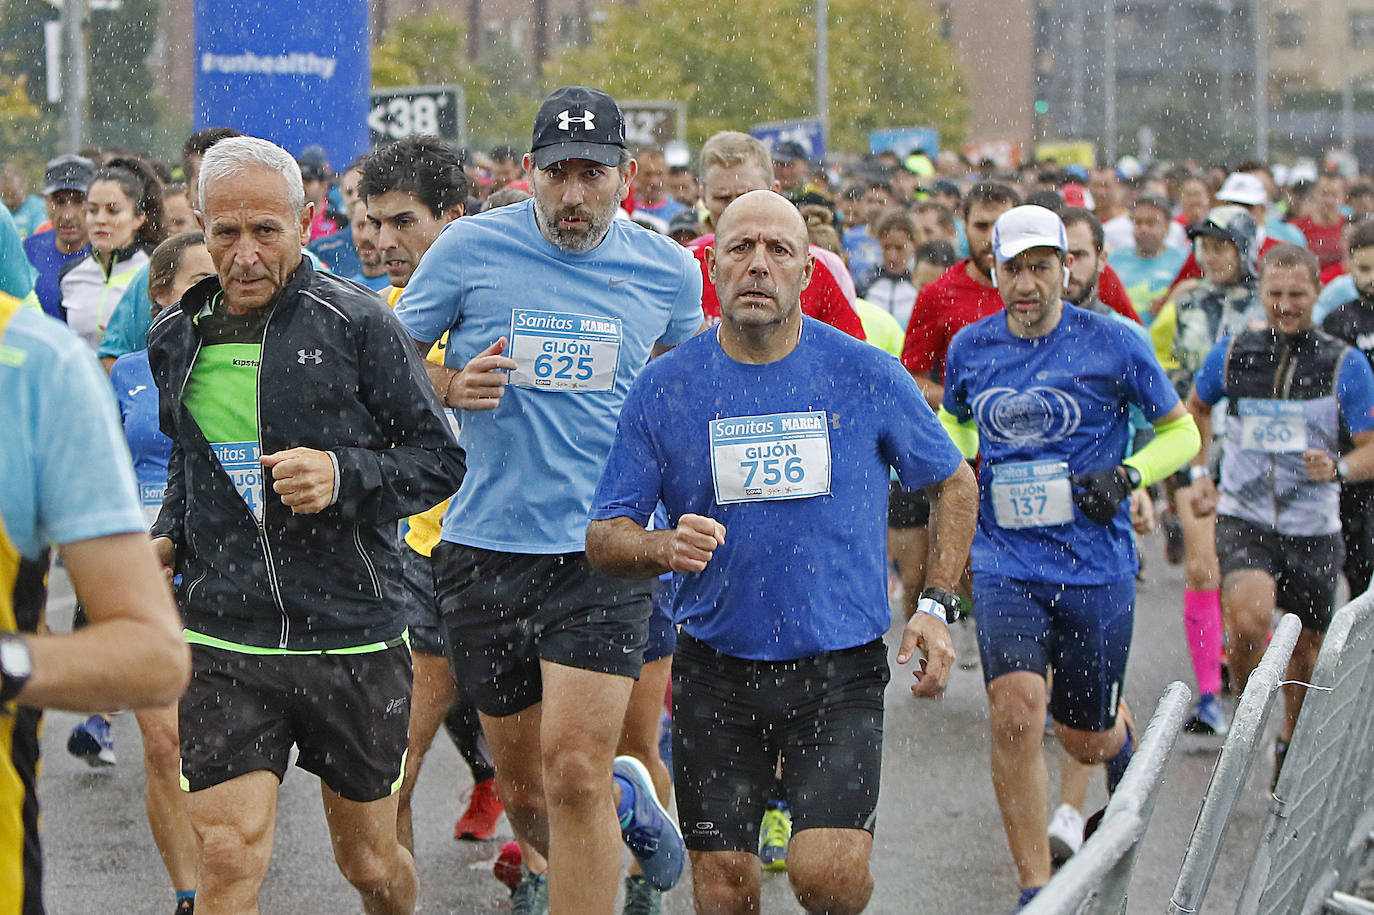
939, 844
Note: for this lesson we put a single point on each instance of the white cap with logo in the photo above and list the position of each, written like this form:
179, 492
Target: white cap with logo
1024, 227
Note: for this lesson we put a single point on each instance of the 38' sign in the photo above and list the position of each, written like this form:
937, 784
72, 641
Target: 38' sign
409, 111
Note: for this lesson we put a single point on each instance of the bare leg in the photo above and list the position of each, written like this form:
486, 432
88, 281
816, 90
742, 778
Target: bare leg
829, 870
234, 823
164, 799
369, 854
1017, 703
725, 882
1247, 603
434, 692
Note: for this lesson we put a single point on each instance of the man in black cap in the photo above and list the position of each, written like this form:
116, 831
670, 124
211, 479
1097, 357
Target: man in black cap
64, 194
552, 307
791, 168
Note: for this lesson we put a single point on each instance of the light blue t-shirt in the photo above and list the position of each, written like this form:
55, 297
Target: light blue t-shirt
16, 273
30, 215
792, 457
1281, 231
1333, 295
1146, 279
581, 326
65, 474
1063, 398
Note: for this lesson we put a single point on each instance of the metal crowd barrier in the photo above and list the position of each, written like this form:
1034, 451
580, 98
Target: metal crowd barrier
1096, 880
1317, 835
1232, 770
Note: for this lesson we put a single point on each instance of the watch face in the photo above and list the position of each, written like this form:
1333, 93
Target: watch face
14, 658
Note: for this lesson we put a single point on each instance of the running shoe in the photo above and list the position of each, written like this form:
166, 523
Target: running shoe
185, 907
1027, 894
506, 868
774, 834
964, 634
1280, 754
91, 741
530, 896
1207, 718
484, 809
641, 898
1066, 833
651, 832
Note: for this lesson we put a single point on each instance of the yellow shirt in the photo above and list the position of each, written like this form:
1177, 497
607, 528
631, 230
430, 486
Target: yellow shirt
423, 535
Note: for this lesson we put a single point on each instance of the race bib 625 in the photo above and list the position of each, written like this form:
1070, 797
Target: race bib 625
559, 351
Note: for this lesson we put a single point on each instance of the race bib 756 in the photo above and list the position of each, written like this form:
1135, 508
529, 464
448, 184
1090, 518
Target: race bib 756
779, 456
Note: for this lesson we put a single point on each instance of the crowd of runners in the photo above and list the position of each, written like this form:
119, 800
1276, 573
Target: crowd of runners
617, 470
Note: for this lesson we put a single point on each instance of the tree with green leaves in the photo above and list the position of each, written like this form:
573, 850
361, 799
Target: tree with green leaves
502, 96
738, 64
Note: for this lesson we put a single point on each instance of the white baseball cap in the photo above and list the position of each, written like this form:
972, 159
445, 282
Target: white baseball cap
1026, 227
1245, 189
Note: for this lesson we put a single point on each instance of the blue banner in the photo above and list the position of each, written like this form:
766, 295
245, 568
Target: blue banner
808, 132
905, 140
290, 71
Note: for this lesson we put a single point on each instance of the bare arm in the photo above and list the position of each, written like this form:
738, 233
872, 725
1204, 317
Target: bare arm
131, 654
953, 517
620, 547
1203, 491
933, 390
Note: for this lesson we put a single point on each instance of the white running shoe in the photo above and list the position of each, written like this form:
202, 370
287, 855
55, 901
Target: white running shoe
1066, 833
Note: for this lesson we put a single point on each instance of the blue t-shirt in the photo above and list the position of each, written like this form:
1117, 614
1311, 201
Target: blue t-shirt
375, 283
792, 457
1063, 397
16, 274
1279, 230
47, 262
136, 395
1333, 295
1146, 279
64, 469
586, 320
1354, 385
338, 253
127, 330
865, 255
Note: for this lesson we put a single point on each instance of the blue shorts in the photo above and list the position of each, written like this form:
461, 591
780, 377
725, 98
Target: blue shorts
1082, 631
662, 629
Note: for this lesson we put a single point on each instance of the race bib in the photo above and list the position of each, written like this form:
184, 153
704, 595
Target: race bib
1273, 426
781, 456
1031, 494
559, 351
242, 461
151, 494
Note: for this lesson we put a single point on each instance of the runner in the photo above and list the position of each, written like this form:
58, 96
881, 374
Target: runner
64, 193
272, 368
803, 672
65, 479
1289, 389
1222, 304
175, 266
733, 164
1043, 390
1353, 322
546, 647
1148, 268
410, 190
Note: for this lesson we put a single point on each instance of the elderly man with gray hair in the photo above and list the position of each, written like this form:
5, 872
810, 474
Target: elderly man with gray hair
303, 428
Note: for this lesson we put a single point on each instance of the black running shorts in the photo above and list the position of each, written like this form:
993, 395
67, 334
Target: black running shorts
732, 718
347, 713
503, 613
1304, 569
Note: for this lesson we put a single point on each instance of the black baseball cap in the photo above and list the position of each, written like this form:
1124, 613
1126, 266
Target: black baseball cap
67, 173
578, 122
788, 151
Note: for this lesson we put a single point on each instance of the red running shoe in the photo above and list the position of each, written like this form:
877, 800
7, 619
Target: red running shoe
507, 866
484, 809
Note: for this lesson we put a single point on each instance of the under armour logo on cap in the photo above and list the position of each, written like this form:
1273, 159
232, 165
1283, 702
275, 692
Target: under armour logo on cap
315, 355
578, 122
566, 120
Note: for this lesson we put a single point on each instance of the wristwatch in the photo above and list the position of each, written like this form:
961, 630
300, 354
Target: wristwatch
939, 603
16, 665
